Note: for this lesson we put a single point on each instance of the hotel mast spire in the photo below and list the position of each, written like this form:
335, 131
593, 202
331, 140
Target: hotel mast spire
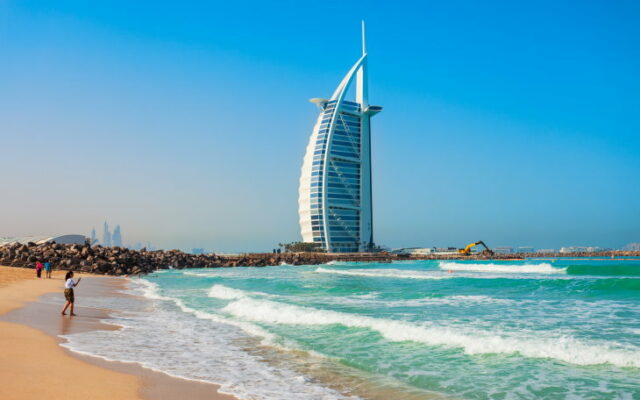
364, 40
362, 91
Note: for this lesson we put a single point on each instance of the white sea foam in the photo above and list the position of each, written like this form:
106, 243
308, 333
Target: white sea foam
337, 263
385, 273
372, 300
240, 272
150, 290
563, 348
217, 273
200, 274
196, 349
448, 300
543, 268
468, 299
223, 292
371, 295
226, 293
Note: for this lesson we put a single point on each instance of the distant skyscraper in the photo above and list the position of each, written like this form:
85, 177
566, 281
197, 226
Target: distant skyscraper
94, 238
116, 238
335, 183
106, 235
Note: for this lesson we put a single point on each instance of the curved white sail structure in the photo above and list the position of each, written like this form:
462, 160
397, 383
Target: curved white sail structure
335, 184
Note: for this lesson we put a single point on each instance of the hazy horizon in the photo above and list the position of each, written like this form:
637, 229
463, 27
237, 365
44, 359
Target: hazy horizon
186, 124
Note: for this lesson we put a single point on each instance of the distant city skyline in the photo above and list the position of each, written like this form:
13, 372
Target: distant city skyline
515, 123
108, 238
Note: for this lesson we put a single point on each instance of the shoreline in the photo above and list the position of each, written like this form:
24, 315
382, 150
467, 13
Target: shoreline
35, 364
33, 305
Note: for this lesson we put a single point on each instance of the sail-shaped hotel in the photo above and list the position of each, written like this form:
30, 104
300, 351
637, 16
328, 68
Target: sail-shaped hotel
335, 184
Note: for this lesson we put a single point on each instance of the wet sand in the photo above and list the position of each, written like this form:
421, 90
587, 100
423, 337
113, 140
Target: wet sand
34, 366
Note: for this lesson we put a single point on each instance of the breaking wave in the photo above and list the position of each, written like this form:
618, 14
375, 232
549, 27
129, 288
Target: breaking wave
150, 290
201, 274
564, 348
385, 273
543, 268
224, 292
372, 301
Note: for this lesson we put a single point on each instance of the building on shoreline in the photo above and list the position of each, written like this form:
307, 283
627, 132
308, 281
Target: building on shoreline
525, 249
414, 251
335, 182
61, 239
582, 249
546, 251
503, 250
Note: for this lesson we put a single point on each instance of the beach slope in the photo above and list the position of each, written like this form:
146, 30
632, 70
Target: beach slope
34, 366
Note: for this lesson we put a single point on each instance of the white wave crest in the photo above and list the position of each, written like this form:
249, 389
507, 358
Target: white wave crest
447, 300
337, 263
564, 348
385, 273
151, 291
217, 273
225, 293
200, 274
543, 268
374, 301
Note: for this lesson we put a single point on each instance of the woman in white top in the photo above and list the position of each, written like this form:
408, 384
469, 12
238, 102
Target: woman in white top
69, 284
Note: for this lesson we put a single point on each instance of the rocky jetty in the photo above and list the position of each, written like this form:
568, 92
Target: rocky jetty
123, 261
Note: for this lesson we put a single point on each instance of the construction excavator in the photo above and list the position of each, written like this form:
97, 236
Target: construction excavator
467, 250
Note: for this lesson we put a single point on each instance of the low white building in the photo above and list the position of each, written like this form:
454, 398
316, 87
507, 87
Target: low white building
581, 249
414, 251
525, 249
632, 247
62, 239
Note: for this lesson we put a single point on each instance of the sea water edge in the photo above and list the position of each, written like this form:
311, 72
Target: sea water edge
419, 329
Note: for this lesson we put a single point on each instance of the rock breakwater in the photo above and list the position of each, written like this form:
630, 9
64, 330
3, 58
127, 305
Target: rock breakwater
123, 261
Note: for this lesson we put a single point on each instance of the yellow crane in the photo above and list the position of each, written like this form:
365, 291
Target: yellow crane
467, 250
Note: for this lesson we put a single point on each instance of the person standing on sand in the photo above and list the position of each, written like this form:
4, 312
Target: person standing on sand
38, 269
69, 284
47, 269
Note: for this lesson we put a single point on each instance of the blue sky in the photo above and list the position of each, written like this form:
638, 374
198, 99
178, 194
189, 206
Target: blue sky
186, 122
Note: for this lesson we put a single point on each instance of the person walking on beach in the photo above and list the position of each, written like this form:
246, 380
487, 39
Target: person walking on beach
38, 269
69, 284
47, 269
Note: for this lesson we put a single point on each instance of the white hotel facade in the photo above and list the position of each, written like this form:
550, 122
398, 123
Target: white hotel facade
334, 202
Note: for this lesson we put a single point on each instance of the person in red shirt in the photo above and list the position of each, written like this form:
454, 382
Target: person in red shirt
39, 267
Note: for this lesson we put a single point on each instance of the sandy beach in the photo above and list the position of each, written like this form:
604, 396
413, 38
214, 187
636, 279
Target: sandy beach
33, 365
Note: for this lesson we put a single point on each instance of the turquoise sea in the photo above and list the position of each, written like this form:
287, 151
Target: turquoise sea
551, 329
